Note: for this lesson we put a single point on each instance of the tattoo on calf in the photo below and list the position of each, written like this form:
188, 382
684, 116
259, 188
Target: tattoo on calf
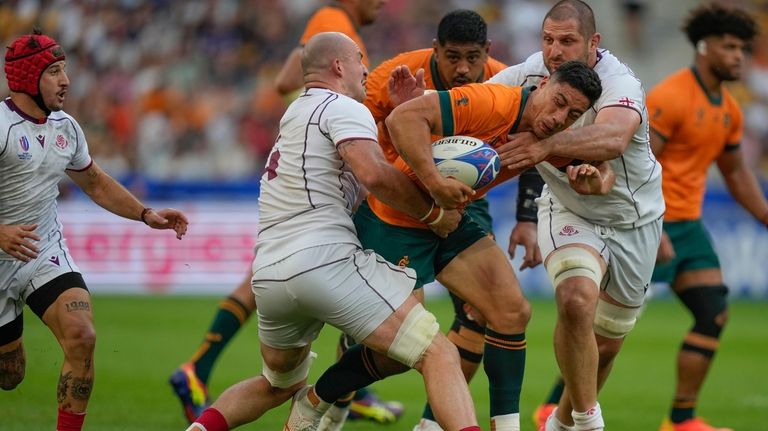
63, 387
81, 388
12, 366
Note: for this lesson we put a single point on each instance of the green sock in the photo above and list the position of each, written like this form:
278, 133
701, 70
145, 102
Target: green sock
681, 411
504, 363
230, 317
428, 413
557, 391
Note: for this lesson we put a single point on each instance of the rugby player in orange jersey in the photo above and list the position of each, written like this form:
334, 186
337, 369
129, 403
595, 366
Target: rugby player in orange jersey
468, 262
696, 122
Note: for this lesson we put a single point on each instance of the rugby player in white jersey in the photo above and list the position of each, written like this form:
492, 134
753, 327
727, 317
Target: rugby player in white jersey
310, 268
599, 250
39, 144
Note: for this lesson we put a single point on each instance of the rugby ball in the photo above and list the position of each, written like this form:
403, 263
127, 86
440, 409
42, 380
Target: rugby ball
467, 159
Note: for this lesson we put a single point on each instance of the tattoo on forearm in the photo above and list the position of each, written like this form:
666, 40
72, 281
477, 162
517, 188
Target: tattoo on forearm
12, 366
92, 173
88, 364
63, 387
78, 306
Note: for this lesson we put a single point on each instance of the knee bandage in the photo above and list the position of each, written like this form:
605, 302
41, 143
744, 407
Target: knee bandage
414, 336
708, 305
612, 321
290, 378
573, 262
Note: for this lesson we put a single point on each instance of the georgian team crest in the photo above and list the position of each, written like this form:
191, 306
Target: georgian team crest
568, 230
61, 142
24, 144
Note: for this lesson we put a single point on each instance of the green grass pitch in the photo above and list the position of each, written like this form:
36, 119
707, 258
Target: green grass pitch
141, 339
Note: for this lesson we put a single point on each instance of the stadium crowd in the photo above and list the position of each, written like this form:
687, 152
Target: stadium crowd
183, 90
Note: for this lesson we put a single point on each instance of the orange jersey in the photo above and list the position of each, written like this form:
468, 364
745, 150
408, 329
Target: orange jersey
486, 111
377, 96
333, 18
697, 129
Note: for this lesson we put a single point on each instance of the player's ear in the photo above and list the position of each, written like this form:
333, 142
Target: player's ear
701, 47
435, 44
594, 41
487, 47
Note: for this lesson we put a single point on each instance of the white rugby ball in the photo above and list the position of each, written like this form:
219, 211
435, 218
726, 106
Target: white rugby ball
467, 159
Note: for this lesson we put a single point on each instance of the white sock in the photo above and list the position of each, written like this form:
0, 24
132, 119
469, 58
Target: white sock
427, 424
554, 424
510, 422
590, 420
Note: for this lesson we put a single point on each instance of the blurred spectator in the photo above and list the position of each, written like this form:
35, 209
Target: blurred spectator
182, 89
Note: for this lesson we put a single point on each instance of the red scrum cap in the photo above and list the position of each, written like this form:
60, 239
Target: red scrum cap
27, 58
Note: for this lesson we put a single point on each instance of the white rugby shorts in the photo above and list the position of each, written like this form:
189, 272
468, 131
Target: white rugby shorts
349, 288
630, 254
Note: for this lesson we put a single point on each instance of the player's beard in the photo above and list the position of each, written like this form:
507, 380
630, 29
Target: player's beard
724, 73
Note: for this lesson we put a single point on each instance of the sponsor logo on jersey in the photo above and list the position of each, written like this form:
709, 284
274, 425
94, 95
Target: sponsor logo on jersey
568, 230
61, 142
24, 144
55, 260
40, 140
463, 101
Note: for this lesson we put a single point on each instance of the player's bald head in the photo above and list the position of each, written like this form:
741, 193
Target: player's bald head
323, 48
576, 10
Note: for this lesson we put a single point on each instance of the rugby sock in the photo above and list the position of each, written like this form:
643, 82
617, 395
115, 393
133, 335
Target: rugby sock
355, 369
504, 363
69, 421
590, 420
210, 420
682, 410
472, 428
231, 315
428, 414
361, 393
557, 392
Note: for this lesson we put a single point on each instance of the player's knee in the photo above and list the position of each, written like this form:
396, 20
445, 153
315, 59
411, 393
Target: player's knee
574, 265
509, 318
415, 335
574, 301
79, 340
709, 307
288, 379
613, 321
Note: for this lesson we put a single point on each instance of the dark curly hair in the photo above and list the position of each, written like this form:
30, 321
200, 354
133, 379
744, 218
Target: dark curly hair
718, 20
581, 77
462, 26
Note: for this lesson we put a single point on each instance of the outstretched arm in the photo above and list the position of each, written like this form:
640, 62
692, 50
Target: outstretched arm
291, 77
112, 196
606, 139
743, 185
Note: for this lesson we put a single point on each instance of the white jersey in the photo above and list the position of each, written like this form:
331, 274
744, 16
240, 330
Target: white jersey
636, 197
307, 191
33, 158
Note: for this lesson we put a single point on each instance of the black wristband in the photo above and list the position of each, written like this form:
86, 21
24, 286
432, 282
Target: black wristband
529, 188
143, 214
